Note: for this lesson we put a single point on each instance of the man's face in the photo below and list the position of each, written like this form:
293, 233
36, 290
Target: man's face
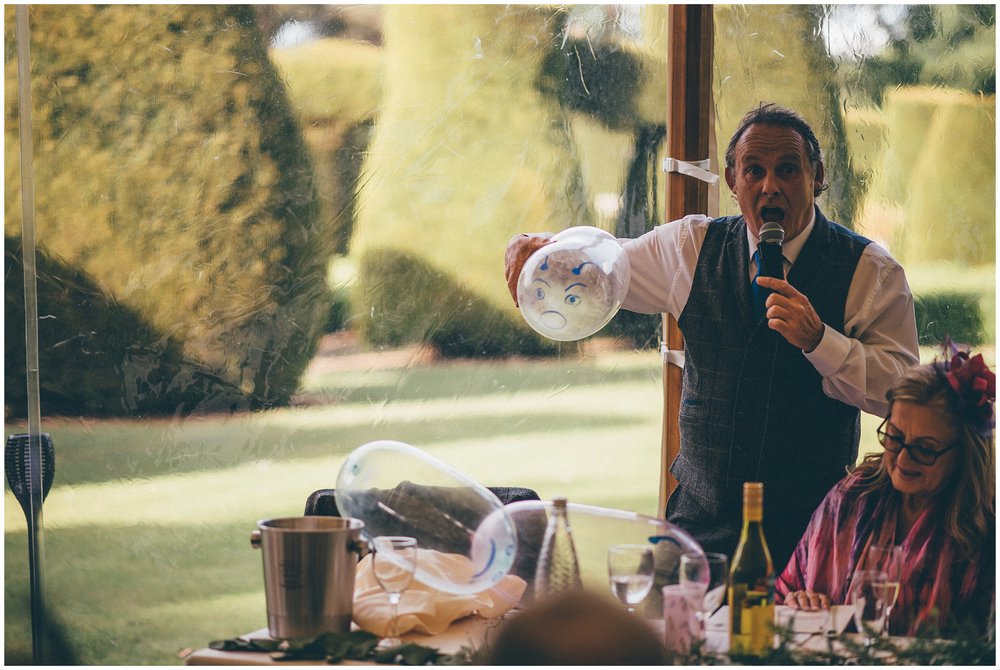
773, 180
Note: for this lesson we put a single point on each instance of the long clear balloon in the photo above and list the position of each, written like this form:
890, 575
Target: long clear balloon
397, 489
595, 529
570, 288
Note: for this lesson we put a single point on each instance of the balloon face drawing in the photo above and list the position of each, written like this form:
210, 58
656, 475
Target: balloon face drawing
571, 288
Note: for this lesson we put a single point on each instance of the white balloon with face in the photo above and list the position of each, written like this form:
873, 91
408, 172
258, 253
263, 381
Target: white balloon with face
570, 289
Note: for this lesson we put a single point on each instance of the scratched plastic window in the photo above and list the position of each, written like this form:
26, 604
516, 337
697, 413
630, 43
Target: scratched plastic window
266, 236
902, 98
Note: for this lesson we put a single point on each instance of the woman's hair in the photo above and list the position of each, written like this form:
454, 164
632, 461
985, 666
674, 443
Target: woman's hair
970, 493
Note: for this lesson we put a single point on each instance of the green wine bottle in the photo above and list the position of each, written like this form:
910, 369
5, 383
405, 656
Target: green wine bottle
751, 581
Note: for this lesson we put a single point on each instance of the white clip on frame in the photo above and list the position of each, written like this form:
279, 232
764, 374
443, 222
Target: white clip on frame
673, 357
698, 170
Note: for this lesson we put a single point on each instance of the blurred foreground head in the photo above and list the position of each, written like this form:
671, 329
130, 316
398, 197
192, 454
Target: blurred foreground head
576, 628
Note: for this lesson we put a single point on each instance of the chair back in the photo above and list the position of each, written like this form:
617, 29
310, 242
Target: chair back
324, 503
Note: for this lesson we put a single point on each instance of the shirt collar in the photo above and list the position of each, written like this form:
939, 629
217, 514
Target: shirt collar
790, 250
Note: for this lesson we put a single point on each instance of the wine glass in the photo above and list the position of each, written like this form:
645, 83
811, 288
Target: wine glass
868, 600
393, 563
630, 571
888, 559
704, 578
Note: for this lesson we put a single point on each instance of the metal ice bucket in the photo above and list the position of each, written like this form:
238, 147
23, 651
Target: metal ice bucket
309, 565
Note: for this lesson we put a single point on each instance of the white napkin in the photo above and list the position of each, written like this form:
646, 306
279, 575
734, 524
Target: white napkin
424, 608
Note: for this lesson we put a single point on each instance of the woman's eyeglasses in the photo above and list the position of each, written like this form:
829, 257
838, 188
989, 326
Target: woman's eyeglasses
894, 442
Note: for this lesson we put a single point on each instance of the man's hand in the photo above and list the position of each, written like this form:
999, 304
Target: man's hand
807, 600
792, 315
518, 250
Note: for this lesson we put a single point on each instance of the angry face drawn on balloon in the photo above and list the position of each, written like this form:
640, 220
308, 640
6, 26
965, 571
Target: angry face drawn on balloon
556, 292
571, 288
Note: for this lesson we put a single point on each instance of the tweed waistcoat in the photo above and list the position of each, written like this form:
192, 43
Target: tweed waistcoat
752, 405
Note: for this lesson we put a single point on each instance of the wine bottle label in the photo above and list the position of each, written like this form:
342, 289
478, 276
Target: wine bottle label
752, 618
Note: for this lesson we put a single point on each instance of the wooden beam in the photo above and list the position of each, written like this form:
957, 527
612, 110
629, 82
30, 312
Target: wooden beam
690, 43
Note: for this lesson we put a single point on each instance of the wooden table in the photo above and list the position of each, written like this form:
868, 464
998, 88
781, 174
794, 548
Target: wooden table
472, 631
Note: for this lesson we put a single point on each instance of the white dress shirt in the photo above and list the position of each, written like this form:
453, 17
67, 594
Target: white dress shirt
857, 367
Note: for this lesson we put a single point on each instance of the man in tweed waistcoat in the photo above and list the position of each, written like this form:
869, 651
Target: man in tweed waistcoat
774, 396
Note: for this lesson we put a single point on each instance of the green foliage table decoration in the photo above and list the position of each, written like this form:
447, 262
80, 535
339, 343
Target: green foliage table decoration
335, 647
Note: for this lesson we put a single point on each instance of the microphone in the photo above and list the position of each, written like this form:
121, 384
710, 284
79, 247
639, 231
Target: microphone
772, 264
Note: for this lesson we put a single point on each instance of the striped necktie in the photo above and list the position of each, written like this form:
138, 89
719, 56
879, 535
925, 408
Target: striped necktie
759, 292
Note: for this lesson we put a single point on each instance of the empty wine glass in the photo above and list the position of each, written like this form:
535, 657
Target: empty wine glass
393, 563
888, 559
704, 578
630, 571
868, 601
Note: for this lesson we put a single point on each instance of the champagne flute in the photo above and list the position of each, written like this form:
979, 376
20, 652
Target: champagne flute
868, 600
888, 559
630, 571
393, 564
704, 578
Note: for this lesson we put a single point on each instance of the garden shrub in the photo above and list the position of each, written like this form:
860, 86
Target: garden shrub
452, 319
950, 209
866, 140
97, 356
639, 331
338, 316
955, 314
332, 78
467, 152
170, 172
335, 86
908, 115
600, 80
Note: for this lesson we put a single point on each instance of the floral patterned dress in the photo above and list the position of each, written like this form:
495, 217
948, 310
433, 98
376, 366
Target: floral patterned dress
938, 586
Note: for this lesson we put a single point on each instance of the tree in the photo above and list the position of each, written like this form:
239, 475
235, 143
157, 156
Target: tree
775, 53
937, 45
470, 146
175, 212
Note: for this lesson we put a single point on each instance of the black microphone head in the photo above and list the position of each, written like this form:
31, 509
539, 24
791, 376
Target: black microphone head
771, 233
17, 462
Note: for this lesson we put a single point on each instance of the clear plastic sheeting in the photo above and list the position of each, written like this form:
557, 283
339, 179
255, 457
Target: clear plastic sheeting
595, 530
397, 489
267, 234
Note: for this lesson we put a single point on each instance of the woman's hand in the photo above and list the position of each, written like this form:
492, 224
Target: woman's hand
807, 600
518, 250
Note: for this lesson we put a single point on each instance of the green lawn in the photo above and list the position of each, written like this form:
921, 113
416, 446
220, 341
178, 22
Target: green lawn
147, 526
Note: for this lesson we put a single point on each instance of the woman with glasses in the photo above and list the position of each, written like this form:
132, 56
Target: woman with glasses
931, 492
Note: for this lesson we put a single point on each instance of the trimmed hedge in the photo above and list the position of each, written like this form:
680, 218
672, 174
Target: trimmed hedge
172, 179
335, 86
459, 324
955, 314
467, 152
866, 142
950, 209
97, 356
908, 113
332, 78
929, 159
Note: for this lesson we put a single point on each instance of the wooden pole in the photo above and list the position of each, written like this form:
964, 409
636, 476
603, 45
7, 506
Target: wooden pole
690, 44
